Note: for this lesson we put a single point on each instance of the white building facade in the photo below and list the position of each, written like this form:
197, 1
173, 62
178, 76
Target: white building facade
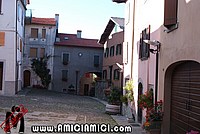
11, 45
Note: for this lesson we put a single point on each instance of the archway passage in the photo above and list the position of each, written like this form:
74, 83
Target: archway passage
185, 98
140, 92
27, 77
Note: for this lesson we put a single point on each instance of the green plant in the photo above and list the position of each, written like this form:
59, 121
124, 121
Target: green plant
129, 90
39, 66
124, 99
114, 96
146, 100
154, 116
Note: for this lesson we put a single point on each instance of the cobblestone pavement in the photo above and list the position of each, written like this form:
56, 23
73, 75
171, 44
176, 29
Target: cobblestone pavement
50, 108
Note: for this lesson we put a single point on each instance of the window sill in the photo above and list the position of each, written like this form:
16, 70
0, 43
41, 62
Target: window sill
171, 28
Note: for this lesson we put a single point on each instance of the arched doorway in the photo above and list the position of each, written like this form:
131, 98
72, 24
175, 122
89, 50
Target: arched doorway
140, 92
185, 98
27, 78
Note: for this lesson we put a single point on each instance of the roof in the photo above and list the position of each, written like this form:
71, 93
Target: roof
43, 21
72, 41
111, 24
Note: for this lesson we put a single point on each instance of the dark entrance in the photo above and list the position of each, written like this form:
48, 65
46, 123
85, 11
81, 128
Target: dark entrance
140, 91
185, 98
86, 89
27, 76
1, 75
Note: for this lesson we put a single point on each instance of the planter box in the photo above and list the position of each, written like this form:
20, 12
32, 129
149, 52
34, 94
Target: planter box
112, 109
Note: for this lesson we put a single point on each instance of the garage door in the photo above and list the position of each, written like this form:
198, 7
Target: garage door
185, 98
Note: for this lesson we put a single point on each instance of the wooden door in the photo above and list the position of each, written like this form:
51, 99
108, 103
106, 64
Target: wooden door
185, 98
27, 76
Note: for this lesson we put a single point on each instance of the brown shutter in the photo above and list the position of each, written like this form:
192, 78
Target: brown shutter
170, 15
20, 47
2, 38
42, 52
148, 38
0, 6
140, 47
33, 52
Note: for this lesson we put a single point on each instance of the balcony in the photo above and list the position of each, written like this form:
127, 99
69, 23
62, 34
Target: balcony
119, 1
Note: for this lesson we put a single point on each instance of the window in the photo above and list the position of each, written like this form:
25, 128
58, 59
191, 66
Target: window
42, 52
1, 75
22, 18
20, 45
19, 12
106, 52
144, 47
65, 58
119, 49
43, 33
2, 38
33, 52
112, 49
34, 33
104, 74
96, 61
64, 75
170, 13
116, 74
0, 7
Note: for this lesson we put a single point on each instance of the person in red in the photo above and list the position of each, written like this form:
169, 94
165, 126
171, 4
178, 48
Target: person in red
13, 117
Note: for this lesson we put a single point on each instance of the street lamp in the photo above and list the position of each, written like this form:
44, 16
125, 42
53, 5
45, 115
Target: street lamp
155, 51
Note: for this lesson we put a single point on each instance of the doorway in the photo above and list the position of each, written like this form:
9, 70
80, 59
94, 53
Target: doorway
1, 75
27, 78
140, 92
185, 98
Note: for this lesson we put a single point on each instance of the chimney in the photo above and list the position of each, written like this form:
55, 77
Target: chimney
79, 33
57, 21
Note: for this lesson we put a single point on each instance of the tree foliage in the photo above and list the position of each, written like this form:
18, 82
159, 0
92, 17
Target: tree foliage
39, 66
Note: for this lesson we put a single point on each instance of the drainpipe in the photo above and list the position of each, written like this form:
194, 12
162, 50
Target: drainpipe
16, 68
131, 76
156, 77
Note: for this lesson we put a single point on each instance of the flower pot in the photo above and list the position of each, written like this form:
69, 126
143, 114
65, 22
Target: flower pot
154, 131
112, 109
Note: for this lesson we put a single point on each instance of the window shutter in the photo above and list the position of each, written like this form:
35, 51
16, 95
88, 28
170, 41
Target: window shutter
170, 15
64, 75
33, 52
147, 38
140, 47
65, 59
43, 33
0, 6
42, 52
2, 38
21, 46
96, 61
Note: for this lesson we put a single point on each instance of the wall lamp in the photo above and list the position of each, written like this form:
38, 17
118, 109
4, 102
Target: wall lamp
155, 51
153, 43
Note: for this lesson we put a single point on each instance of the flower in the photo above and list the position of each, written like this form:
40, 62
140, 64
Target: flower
192, 132
146, 100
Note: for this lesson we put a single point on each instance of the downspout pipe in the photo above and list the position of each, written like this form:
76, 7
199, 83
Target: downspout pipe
16, 68
131, 76
156, 77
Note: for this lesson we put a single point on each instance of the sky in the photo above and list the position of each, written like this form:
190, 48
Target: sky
90, 16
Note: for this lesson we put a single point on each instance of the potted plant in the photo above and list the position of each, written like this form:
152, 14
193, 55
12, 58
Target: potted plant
129, 91
154, 113
128, 100
113, 106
